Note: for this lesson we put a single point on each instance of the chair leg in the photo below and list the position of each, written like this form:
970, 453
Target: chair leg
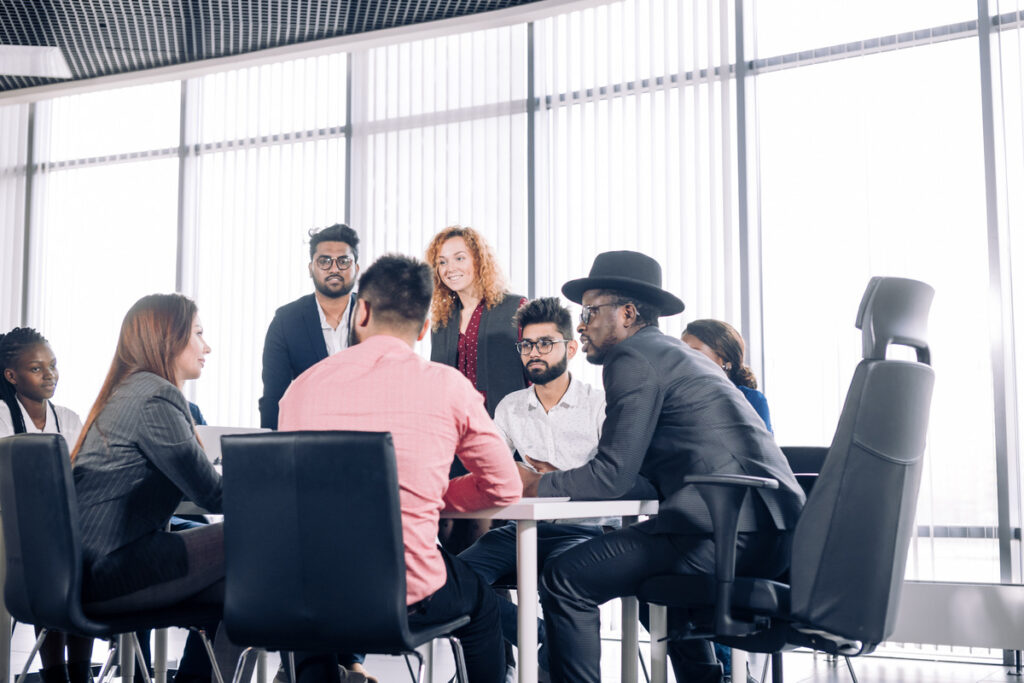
764, 671
777, 667
291, 668
32, 654
241, 665
643, 667
460, 660
209, 653
849, 665
108, 665
659, 643
417, 675
143, 667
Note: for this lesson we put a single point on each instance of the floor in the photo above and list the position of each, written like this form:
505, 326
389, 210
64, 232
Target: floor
800, 667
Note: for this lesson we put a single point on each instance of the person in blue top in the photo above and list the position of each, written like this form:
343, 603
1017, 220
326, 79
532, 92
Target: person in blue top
720, 342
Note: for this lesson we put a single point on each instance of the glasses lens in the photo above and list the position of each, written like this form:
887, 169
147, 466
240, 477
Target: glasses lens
544, 345
324, 262
525, 347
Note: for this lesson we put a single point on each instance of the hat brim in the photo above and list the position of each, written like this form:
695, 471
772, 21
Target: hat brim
666, 303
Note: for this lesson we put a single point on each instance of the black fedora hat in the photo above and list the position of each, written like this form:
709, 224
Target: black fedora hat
629, 272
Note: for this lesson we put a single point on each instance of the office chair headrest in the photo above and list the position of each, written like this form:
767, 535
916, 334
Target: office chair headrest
894, 310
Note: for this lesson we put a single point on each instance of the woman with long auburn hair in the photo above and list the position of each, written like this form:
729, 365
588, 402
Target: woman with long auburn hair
472, 330
137, 458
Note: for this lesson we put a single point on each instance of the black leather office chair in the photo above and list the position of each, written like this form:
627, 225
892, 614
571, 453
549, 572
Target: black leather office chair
318, 513
851, 542
44, 553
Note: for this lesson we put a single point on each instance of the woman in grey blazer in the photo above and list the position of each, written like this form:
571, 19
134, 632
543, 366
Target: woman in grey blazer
137, 458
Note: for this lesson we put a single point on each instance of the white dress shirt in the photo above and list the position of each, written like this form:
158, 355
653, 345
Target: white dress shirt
70, 424
336, 339
566, 436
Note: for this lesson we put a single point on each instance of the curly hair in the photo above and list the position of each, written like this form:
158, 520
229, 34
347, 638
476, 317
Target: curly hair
12, 345
728, 345
488, 276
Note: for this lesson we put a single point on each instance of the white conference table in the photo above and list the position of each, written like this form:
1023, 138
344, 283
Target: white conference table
527, 512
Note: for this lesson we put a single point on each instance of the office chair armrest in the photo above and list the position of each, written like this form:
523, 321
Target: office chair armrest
724, 494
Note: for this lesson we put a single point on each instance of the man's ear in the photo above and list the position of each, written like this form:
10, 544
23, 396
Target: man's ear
629, 315
311, 269
362, 312
423, 330
571, 348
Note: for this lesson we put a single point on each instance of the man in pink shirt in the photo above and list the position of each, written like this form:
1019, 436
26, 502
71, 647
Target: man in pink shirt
432, 412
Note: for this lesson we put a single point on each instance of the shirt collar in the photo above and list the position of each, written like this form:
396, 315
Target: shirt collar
569, 398
344, 316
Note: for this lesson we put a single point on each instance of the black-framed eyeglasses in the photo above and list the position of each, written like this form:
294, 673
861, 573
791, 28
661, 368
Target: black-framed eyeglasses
588, 311
325, 262
543, 346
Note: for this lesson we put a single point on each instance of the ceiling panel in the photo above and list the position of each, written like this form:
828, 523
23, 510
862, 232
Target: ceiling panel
102, 37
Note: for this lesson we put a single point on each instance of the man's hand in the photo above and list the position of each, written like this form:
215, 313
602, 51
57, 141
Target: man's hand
540, 465
530, 480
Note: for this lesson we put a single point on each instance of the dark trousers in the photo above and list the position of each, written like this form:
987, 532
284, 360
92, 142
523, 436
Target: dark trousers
464, 593
614, 565
494, 556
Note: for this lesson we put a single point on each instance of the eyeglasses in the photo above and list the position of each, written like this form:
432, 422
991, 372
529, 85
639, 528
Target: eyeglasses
588, 311
325, 262
543, 346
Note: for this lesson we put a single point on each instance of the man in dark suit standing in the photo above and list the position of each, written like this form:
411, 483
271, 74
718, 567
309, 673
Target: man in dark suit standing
316, 325
671, 412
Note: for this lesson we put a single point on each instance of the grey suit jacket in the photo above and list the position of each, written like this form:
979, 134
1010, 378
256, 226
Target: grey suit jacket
139, 459
671, 413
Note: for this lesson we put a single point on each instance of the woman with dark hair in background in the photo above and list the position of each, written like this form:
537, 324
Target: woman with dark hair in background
28, 382
720, 342
472, 330
137, 458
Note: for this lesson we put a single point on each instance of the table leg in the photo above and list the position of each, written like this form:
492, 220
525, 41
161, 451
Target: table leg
127, 656
526, 558
630, 629
160, 655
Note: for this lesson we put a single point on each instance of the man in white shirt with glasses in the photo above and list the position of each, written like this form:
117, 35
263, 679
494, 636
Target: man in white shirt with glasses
553, 425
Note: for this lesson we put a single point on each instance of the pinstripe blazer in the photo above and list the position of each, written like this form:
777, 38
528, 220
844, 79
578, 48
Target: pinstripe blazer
671, 413
138, 459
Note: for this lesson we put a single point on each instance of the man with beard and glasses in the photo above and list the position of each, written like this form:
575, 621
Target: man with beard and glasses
316, 325
553, 425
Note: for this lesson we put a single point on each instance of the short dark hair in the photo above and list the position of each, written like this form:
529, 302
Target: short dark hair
339, 232
646, 312
545, 310
398, 289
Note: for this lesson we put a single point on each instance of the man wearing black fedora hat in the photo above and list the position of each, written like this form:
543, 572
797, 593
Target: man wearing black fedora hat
671, 412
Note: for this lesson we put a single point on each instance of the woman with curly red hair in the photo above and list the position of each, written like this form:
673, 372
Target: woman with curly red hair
471, 314
472, 330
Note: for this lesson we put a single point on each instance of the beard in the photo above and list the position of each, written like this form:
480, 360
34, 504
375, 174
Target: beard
324, 289
546, 373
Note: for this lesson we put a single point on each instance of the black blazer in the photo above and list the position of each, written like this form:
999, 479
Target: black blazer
671, 413
499, 369
294, 343
139, 459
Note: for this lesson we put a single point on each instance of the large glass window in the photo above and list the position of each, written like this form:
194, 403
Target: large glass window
270, 167
106, 237
856, 182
